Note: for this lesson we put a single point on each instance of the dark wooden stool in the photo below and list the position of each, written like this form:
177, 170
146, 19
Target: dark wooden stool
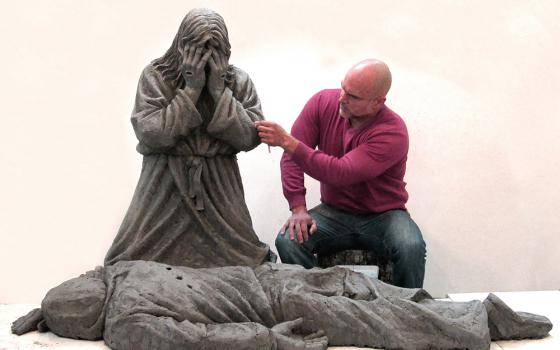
359, 257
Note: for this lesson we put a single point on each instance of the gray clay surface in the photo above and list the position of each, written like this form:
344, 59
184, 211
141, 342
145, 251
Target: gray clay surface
193, 113
148, 305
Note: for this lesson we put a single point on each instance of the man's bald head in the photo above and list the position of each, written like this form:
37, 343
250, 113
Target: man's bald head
371, 75
363, 91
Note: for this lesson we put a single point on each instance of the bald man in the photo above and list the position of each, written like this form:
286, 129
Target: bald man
357, 147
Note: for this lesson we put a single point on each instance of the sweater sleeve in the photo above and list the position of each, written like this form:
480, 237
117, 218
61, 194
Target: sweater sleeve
380, 150
306, 130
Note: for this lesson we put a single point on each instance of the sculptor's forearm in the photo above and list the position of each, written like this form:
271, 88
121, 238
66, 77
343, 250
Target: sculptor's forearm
293, 184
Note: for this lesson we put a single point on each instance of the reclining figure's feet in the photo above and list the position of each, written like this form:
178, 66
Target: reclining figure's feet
505, 324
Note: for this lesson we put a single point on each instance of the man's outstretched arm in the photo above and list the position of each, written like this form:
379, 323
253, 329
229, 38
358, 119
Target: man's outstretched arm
363, 163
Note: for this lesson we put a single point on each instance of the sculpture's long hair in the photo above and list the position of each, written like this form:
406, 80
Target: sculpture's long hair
196, 24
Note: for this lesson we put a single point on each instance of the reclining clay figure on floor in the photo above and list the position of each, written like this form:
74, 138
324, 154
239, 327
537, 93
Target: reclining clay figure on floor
148, 305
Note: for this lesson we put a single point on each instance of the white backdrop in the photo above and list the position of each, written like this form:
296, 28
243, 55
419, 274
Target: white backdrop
476, 82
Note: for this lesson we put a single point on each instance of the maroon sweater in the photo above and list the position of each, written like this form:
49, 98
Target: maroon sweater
361, 170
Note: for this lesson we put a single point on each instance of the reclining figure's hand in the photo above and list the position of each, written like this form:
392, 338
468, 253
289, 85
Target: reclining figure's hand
31, 322
286, 339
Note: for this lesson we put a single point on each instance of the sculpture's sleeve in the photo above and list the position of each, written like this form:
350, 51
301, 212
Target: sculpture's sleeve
146, 332
161, 113
235, 114
306, 130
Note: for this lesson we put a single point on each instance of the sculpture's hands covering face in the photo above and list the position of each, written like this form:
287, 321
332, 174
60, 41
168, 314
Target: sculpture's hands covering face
286, 339
31, 322
218, 63
194, 61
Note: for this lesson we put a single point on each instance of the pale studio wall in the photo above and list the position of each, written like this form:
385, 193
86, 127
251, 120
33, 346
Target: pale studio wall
475, 81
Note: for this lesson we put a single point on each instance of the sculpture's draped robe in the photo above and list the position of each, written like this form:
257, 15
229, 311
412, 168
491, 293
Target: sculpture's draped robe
145, 305
154, 306
189, 208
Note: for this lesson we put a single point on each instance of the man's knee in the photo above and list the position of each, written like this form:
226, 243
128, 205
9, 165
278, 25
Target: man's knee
282, 241
411, 248
405, 235
284, 245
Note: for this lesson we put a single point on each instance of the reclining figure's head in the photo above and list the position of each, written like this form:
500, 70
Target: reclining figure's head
75, 309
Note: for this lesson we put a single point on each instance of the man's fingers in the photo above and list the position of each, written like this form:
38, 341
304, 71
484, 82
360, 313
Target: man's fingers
266, 123
268, 142
313, 227
266, 130
266, 139
262, 127
283, 229
291, 231
303, 229
266, 135
299, 233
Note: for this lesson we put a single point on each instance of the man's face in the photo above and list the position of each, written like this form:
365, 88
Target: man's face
356, 98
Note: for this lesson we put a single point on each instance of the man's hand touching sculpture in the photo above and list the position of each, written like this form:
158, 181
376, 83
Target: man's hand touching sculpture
273, 134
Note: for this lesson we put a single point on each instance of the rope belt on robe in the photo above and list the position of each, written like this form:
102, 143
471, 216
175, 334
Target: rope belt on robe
187, 174
194, 168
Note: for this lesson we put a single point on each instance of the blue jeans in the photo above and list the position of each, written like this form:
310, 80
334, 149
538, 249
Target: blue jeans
391, 233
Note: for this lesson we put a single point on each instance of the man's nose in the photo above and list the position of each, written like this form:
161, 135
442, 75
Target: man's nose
342, 97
